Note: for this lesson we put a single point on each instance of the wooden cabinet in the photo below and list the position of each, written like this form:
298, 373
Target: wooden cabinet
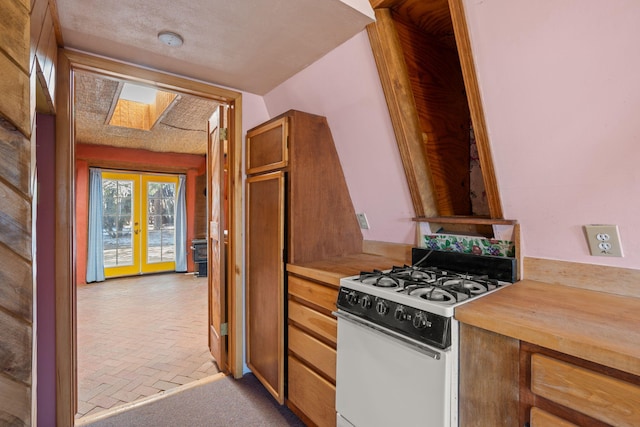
504, 381
267, 147
298, 209
265, 280
312, 350
557, 389
489, 378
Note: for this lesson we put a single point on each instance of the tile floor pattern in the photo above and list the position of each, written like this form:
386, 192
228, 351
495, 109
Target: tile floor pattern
139, 336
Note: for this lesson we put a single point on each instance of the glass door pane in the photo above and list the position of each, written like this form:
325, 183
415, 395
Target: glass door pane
160, 247
119, 224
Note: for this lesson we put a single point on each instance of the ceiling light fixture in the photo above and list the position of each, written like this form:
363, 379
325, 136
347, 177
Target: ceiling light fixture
170, 38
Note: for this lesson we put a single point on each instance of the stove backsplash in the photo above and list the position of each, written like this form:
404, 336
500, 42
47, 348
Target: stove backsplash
470, 245
495, 267
444, 237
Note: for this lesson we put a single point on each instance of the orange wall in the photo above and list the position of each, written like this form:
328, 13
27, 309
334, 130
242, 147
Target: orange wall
137, 161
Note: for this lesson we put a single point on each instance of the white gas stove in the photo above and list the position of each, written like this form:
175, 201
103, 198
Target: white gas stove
397, 333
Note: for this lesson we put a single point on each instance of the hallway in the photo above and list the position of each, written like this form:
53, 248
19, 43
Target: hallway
139, 336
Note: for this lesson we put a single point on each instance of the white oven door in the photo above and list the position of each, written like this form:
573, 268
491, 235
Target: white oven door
385, 379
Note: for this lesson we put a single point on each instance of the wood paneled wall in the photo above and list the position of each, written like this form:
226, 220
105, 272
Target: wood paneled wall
25, 52
441, 103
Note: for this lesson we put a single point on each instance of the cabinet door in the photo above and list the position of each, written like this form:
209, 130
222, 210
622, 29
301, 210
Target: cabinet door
312, 394
267, 147
540, 418
265, 280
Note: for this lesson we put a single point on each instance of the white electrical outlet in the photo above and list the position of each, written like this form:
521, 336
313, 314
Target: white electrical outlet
603, 240
362, 220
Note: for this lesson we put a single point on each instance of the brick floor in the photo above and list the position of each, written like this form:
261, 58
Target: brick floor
139, 336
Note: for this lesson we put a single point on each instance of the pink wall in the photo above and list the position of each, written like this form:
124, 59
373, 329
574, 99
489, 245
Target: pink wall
561, 91
344, 86
254, 112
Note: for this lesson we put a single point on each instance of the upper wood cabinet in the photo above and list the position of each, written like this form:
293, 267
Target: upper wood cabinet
321, 220
267, 147
423, 55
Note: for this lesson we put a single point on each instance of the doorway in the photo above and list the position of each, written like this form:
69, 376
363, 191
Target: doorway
68, 63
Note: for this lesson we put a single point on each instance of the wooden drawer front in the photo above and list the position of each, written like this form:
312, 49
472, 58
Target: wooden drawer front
267, 147
323, 296
540, 418
312, 394
314, 352
321, 324
604, 398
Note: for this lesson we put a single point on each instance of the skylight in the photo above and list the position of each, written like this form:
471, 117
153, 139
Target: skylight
136, 93
140, 107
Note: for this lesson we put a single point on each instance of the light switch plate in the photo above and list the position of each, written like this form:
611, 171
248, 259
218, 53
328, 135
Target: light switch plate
362, 220
604, 240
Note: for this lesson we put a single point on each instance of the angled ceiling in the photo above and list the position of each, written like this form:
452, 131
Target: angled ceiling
249, 45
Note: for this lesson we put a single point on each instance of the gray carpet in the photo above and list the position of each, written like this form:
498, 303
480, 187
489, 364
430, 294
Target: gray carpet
223, 403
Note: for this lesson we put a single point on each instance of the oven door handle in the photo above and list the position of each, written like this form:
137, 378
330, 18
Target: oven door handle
422, 348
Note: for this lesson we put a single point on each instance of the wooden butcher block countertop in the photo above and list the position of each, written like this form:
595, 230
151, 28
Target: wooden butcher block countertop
331, 270
596, 326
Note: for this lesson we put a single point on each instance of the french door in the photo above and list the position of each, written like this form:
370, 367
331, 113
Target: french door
138, 223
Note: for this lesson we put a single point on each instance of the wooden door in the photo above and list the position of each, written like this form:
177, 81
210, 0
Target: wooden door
216, 254
265, 200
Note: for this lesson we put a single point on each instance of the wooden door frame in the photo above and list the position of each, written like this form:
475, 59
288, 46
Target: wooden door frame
65, 246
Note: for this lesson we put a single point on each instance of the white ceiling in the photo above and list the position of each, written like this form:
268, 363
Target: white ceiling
249, 45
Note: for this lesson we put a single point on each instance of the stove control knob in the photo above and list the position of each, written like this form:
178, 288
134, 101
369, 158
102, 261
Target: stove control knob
420, 321
382, 307
352, 298
366, 302
400, 313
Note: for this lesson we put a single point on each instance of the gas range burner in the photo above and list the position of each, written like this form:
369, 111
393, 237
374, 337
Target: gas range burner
434, 294
429, 283
401, 277
379, 279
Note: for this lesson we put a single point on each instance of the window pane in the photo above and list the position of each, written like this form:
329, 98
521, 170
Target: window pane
116, 222
161, 226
